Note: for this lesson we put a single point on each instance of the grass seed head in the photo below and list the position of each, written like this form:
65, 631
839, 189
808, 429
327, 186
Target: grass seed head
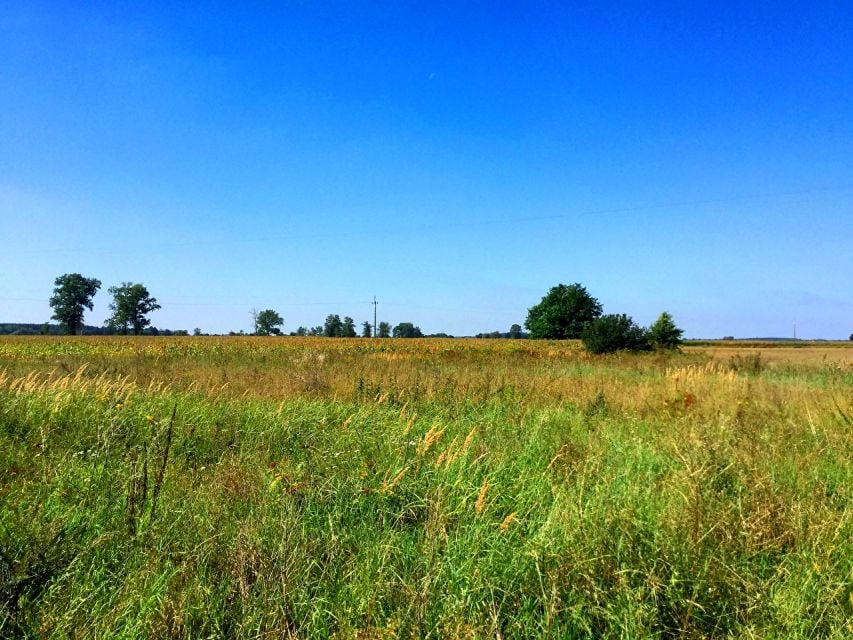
481, 497
507, 521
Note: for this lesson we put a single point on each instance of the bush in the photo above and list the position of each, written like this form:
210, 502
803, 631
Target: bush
615, 332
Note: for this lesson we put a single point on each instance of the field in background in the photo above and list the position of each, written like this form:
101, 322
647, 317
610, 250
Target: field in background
299, 487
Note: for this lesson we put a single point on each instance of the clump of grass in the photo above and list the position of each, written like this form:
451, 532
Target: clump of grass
139, 480
749, 363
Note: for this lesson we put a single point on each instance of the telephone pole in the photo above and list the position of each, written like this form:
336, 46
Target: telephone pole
374, 315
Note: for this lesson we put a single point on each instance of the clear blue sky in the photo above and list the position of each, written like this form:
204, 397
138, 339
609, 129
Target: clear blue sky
456, 159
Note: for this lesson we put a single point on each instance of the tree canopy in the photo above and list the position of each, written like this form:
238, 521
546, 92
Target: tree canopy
130, 306
664, 334
333, 326
407, 330
348, 328
268, 322
563, 313
72, 294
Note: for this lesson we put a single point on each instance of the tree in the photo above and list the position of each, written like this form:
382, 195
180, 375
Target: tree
301, 331
366, 329
332, 327
851, 336
72, 294
664, 334
615, 332
384, 330
197, 332
268, 323
407, 330
563, 313
131, 303
348, 328
515, 332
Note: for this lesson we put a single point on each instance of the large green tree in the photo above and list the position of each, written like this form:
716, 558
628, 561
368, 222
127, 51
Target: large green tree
348, 328
563, 313
333, 326
72, 295
366, 329
268, 322
407, 330
130, 306
384, 330
664, 334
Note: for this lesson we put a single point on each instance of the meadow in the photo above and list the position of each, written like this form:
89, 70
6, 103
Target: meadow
336, 488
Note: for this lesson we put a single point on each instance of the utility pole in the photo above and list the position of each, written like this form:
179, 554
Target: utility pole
374, 315
795, 330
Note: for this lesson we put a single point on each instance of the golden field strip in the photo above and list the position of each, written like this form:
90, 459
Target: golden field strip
358, 488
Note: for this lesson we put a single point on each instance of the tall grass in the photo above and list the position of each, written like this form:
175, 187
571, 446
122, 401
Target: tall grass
379, 489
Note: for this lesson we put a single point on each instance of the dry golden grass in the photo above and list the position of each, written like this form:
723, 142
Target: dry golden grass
408, 369
811, 354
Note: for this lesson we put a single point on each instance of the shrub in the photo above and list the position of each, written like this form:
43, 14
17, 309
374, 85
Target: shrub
615, 332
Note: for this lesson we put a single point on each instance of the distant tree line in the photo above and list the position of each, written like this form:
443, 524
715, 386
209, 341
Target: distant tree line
565, 312
51, 329
514, 333
335, 327
570, 312
131, 305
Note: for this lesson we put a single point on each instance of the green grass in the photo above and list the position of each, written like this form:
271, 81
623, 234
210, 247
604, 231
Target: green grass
308, 512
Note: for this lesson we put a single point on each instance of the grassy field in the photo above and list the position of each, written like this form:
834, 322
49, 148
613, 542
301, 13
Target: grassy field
326, 488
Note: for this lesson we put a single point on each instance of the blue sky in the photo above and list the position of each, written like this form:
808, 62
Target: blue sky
455, 159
